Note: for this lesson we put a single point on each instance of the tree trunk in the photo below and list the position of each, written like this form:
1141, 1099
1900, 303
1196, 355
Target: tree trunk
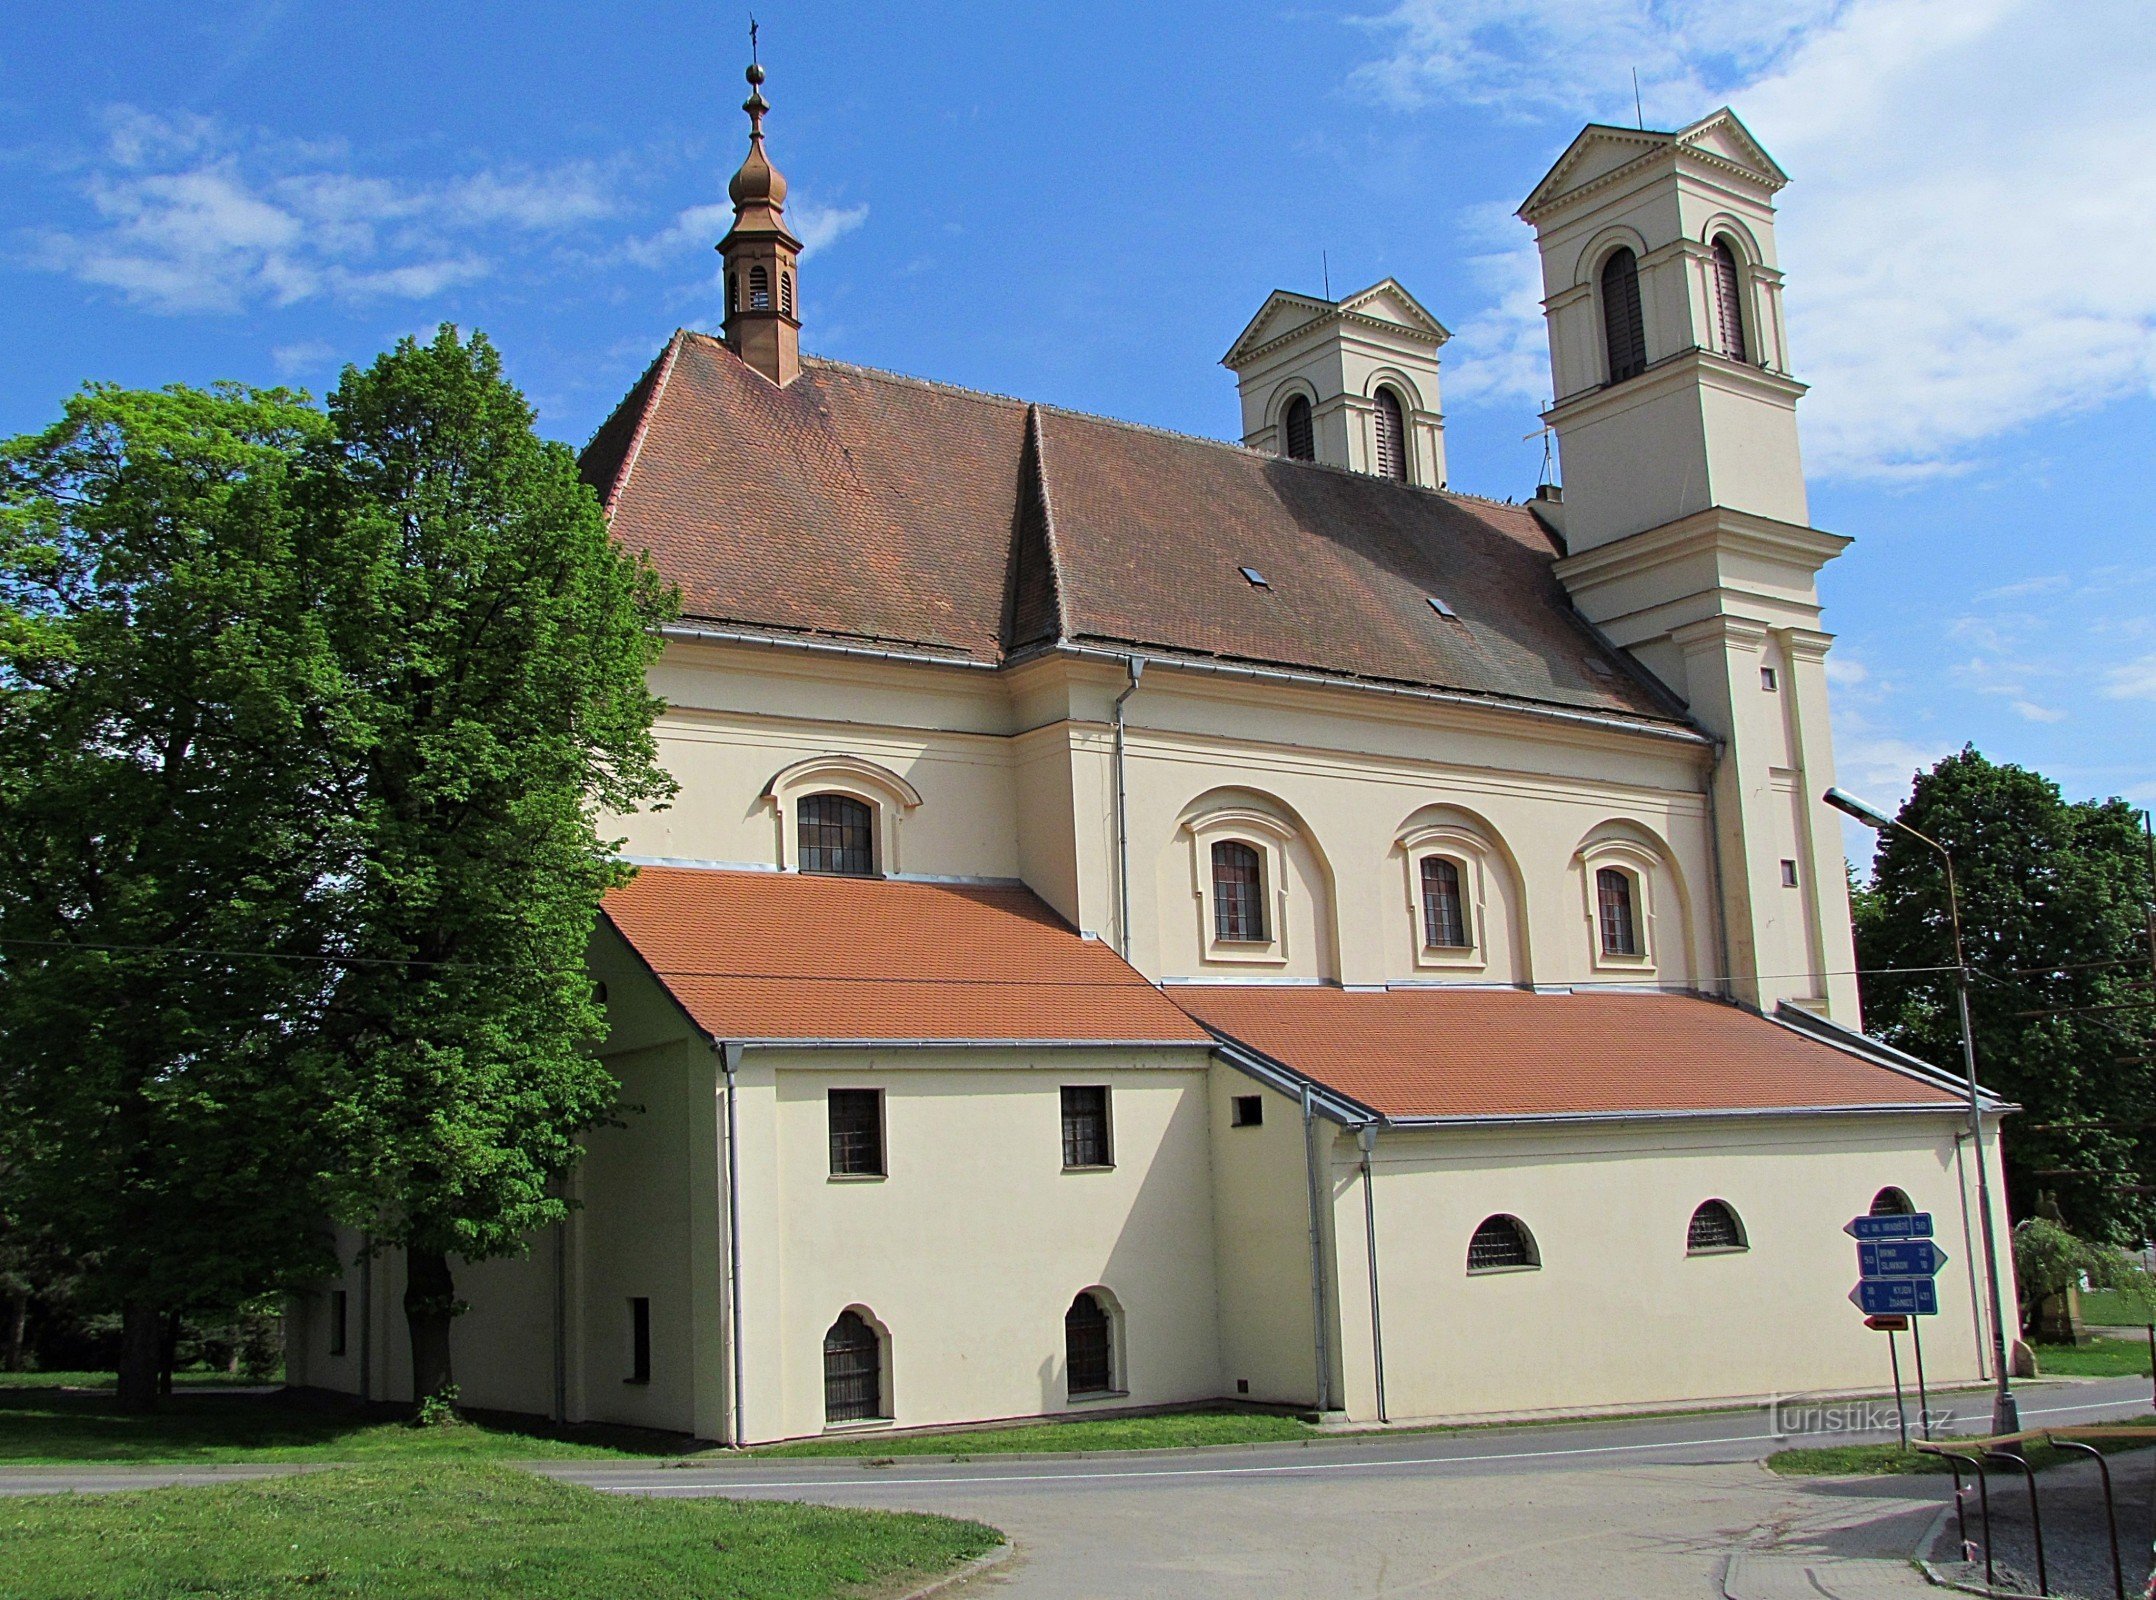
168, 1355
142, 1349
430, 1304
13, 1328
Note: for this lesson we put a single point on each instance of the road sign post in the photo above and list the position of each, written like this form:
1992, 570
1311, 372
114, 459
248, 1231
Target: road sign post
1897, 1283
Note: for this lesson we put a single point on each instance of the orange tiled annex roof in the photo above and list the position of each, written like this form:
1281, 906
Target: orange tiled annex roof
862, 507
772, 956
1416, 1053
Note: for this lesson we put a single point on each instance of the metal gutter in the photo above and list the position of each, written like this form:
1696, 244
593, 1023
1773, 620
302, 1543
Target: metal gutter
730, 1062
1536, 1119
1878, 1053
675, 630
1528, 708
782, 1043
1366, 1141
1328, 1103
1318, 1313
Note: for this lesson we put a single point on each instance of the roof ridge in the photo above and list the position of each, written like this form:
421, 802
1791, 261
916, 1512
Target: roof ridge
664, 366
1048, 524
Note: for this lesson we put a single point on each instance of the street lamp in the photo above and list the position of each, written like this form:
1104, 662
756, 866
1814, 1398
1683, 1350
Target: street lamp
2005, 1415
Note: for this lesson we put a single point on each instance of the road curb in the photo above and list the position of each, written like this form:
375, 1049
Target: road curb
972, 1569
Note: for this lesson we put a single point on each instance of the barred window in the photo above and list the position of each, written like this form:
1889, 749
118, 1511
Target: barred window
1088, 1347
1085, 1127
1624, 329
1238, 893
837, 834
759, 288
1891, 1202
1301, 435
1728, 301
1714, 1227
856, 1133
1391, 437
1501, 1241
852, 1371
1444, 914
1620, 928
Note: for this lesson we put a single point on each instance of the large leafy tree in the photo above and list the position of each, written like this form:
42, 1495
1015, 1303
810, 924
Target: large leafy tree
2054, 906
493, 641
165, 827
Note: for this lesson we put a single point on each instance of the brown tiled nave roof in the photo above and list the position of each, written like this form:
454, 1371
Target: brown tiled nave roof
858, 506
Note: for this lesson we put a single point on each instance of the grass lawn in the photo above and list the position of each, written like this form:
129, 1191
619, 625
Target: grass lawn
2110, 1309
1178, 1430
105, 1380
471, 1529
2099, 1358
1849, 1460
51, 1427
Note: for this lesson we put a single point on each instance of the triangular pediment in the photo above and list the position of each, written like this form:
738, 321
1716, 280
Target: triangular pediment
1283, 312
1721, 134
1387, 301
1602, 149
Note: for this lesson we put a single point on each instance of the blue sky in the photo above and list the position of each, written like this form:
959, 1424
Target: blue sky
1084, 204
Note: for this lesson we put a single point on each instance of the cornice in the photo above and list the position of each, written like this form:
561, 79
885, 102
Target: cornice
1716, 529
1533, 214
1359, 319
1694, 362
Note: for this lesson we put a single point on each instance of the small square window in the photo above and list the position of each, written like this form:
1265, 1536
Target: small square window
1768, 680
639, 1340
1085, 1127
856, 1133
339, 1307
1789, 874
1247, 1111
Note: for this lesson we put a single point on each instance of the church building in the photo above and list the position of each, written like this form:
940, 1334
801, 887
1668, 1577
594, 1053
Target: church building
1152, 920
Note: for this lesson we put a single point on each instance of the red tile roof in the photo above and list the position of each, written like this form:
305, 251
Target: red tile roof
770, 955
1408, 1053
860, 506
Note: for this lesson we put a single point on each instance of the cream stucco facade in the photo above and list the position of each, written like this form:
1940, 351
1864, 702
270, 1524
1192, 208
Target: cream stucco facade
1230, 1240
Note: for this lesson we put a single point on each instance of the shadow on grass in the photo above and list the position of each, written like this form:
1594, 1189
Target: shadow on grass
207, 1427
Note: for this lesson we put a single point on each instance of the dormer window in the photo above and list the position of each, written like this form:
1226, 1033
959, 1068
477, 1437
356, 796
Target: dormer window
1391, 459
1624, 329
759, 288
837, 835
1728, 301
1300, 434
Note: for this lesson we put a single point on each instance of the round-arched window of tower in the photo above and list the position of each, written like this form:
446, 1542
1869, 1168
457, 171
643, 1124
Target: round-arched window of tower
1624, 329
1300, 434
759, 288
1391, 437
1728, 301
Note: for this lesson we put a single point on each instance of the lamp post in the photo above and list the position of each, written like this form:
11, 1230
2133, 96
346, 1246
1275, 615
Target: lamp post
2005, 1415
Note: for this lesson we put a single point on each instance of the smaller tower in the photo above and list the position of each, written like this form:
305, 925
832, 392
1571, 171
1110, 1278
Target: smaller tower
1351, 382
763, 325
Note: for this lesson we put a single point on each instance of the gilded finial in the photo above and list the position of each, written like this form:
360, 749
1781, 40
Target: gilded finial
755, 105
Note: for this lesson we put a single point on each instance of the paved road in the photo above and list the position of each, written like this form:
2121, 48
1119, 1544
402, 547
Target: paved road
1662, 1507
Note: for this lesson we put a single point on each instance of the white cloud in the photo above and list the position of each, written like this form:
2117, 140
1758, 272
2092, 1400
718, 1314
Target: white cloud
2136, 680
1974, 208
192, 217
698, 229
2030, 711
820, 226
308, 355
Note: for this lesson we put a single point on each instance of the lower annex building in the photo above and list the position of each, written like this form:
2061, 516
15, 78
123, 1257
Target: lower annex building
1151, 920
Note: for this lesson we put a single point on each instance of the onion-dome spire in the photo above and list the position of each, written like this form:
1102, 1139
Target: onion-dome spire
762, 257
758, 182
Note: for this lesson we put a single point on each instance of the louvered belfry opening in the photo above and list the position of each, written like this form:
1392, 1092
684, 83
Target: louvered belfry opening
1238, 909
1623, 327
852, 1371
1391, 437
1302, 438
1444, 919
1088, 1349
1729, 302
759, 288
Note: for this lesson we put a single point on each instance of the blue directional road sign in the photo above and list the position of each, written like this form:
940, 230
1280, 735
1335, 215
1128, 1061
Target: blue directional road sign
1887, 1297
1899, 1258
1914, 1225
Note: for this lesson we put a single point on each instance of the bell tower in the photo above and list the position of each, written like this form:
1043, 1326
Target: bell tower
763, 325
1683, 510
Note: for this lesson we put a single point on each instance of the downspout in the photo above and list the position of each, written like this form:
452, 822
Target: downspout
1136, 667
730, 1060
1366, 1137
1317, 1261
366, 1319
561, 1319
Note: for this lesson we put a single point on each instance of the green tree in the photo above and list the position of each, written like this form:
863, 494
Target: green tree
493, 641
2054, 900
163, 679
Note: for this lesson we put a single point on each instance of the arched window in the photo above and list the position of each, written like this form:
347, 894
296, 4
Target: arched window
1088, 1347
1301, 437
1238, 893
1391, 437
786, 292
1728, 301
1891, 1202
837, 834
1714, 1227
1499, 1243
733, 293
1444, 913
759, 288
852, 1371
1624, 330
1613, 901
